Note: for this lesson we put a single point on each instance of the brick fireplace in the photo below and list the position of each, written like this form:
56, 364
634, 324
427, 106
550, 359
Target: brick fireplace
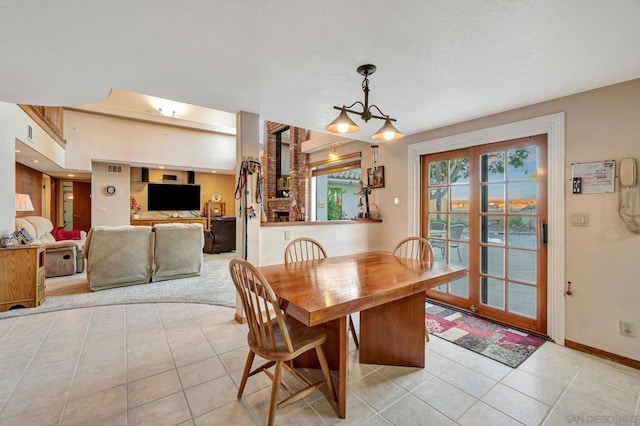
280, 208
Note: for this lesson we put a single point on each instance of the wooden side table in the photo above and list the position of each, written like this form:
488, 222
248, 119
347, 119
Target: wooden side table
22, 277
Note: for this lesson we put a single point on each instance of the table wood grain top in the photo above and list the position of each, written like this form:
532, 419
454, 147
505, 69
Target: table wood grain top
323, 290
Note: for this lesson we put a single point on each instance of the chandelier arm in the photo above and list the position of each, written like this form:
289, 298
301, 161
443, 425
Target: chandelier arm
382, 115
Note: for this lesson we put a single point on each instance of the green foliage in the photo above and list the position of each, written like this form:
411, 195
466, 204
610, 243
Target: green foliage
334, 212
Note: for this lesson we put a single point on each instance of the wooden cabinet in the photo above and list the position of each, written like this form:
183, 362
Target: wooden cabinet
21, 277
151, 222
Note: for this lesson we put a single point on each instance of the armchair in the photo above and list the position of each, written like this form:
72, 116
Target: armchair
223, 235
63, 257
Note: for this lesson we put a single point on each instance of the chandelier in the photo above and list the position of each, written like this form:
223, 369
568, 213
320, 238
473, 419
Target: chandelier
344, 124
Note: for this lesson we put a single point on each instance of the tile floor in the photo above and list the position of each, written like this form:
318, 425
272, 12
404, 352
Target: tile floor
179, 364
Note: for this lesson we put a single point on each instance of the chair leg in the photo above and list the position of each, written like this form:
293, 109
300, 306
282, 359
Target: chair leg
353, 333
275, 387
324, 365
245, 373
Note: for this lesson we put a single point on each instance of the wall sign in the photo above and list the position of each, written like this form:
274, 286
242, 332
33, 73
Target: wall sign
593, 178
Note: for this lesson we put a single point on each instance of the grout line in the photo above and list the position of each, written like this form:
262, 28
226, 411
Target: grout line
75, 370
28, 364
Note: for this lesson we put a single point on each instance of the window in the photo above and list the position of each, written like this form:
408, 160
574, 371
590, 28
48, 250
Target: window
335, 187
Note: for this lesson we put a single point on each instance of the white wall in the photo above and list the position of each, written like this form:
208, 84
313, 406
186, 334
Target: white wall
337, 239
101, 138
7, 168
109, 210
601, 260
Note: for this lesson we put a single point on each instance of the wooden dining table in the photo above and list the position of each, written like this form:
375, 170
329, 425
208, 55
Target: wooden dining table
389, 293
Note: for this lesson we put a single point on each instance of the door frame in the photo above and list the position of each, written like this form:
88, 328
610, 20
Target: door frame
553, 126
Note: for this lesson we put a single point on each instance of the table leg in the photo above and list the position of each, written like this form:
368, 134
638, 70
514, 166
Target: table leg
393, 333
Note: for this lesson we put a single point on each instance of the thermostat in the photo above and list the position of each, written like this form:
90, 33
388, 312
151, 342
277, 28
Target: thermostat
110, 190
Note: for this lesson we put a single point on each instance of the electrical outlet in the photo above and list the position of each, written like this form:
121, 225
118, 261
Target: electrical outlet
287, 235
627, 328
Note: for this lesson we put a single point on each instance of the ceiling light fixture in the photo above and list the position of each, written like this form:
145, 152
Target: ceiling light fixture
344, 124
332, 153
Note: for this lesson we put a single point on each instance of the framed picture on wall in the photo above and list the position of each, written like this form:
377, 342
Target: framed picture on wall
375, 177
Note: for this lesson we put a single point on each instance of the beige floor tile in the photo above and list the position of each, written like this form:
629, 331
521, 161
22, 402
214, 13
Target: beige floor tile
152, 388
97, 406
169, 410
357, 410
469, 381
376, 421
576, 408
235, 413
210, 395
485, 366
446, 398
607, 394
406, 377
544, 390
236, 359
619, 376
33, 408
79, 358
482, 414
434, 363
187, 352
515, 404
446, 349
411, 411
259, 404
549, 370
200, 372
6, 325
377, 391
304, 416
254, 383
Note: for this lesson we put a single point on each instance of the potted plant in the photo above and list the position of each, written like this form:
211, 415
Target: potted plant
134, 207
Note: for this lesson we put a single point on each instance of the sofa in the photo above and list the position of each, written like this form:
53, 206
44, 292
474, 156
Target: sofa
222, 236
64, 257
177, 250
129, 255
118, 256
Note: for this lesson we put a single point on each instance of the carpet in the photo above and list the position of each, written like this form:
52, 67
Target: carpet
214, 286
501, 343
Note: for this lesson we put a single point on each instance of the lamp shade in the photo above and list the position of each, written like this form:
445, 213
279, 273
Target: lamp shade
387, 132
23, 203
342, 124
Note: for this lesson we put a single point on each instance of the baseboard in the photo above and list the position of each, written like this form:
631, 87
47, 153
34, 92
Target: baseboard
603, 354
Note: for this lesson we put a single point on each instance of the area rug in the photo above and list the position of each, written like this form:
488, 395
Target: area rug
501, 343
214, 286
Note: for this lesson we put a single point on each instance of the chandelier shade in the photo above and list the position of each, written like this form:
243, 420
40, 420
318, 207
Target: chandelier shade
387, 132
343, 124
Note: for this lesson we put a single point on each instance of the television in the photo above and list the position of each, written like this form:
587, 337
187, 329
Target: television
173, 197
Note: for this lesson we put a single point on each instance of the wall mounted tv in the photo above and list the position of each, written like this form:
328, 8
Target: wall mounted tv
173, 197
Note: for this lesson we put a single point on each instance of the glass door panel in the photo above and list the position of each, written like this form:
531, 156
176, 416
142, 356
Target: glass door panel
485, 208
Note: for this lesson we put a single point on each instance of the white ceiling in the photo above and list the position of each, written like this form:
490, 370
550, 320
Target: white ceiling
439, 62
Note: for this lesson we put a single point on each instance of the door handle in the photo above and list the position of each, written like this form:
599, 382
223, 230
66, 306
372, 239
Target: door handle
545, 231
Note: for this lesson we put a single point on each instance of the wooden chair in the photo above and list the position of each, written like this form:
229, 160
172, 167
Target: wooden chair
304, 249
275, 337
415, 248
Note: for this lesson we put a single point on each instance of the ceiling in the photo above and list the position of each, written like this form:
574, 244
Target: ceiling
439, 62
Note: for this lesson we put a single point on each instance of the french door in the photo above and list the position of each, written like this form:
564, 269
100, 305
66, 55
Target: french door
485, 208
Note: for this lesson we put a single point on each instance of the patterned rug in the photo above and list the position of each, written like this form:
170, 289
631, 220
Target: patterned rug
495, 341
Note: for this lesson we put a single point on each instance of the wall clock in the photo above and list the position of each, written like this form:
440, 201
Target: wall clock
216, 198
110, 190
